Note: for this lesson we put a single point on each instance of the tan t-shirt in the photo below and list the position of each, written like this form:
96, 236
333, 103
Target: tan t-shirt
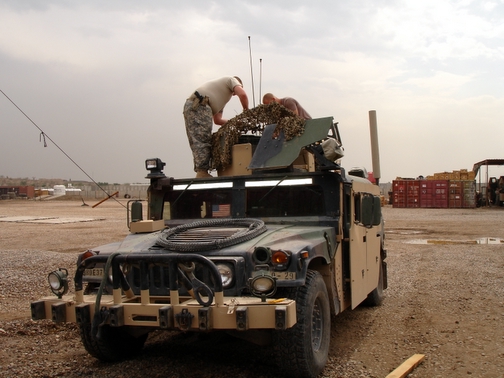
293, 105
219, 91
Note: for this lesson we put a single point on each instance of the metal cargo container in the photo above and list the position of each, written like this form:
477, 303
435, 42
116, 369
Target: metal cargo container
399, 193
434, 193
469, 194
462, 194
413, 193
406, 193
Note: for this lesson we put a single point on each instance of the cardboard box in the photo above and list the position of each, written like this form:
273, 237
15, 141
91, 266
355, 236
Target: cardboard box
146, 226
305, 161
241, 155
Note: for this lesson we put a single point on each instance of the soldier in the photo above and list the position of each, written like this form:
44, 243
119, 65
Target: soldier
202, 107
289, 103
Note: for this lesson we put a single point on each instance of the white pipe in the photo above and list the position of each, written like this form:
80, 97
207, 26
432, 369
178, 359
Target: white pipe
375, 152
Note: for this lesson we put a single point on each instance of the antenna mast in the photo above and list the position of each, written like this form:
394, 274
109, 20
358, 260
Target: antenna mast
251, 72
260, 80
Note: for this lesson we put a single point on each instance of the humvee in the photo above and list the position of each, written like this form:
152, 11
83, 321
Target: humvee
270, 249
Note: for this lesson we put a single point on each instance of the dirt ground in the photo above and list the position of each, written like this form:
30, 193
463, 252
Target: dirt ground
445, 300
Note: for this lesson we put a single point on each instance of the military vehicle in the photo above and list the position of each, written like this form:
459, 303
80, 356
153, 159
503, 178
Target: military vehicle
281, 240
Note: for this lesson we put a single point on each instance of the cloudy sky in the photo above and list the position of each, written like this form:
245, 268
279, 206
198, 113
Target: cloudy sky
106, 80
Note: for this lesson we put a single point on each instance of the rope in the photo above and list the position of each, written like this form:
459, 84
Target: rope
43, 137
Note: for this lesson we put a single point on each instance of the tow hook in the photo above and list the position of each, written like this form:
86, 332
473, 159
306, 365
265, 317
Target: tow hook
199, 287
99, 321
184, 319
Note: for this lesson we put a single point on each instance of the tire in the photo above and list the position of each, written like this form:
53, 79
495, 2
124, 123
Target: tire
375, 298
114, 344
302, 350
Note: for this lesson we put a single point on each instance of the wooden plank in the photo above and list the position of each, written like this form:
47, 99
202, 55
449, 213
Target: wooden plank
106, 198
407, 366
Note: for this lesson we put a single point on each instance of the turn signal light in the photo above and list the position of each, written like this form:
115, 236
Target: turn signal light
87, 254
280, 259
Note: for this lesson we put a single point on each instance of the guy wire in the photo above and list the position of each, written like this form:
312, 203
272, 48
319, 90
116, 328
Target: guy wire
44, 136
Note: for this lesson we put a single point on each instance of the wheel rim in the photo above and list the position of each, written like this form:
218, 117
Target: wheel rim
317, 325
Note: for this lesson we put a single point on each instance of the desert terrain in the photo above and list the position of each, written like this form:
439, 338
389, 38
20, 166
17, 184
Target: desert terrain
445, 300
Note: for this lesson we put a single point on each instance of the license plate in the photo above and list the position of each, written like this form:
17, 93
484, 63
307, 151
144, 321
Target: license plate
95, 272
284, 275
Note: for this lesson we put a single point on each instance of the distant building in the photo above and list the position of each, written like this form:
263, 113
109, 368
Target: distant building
11, 192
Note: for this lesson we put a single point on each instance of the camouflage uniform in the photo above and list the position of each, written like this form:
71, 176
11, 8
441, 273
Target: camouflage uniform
199, 123
199, 115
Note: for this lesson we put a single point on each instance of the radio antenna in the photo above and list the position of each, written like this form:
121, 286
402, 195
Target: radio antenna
251, 72
260, 79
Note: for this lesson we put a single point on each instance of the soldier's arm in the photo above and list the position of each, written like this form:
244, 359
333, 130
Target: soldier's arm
242, 95
218, 120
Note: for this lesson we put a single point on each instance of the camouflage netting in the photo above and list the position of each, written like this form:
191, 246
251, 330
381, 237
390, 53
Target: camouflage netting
253, 121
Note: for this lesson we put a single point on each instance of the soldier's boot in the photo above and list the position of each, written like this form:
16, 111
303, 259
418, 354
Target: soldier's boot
201, 173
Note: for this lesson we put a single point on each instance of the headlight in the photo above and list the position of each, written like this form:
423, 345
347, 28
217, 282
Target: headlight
226, 273
58, 282
262, 284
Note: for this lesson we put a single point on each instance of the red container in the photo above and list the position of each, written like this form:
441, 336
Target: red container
434, 193
413, 193
399, 193
455, 194
27, 191
405, 193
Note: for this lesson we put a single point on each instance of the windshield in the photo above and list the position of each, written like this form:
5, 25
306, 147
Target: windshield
270, 201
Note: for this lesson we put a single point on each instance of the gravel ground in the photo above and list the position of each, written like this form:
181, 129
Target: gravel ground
445, 300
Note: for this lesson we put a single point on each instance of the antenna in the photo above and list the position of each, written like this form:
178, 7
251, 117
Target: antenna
251, 72
260, 79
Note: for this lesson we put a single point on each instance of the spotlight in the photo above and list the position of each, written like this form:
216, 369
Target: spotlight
58, 281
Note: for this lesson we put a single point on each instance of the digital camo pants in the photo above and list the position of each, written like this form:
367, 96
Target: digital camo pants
199, 123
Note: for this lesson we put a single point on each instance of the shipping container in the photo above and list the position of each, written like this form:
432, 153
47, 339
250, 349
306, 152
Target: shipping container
399, 193
469, 193
462, 194
18, 191
455, 194
406, 193
27, 191
434, 193
413, 193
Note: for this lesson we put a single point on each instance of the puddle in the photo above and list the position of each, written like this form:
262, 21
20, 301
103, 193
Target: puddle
444, 242
403, 231
54, 220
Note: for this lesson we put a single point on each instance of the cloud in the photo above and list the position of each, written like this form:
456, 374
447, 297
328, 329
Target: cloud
108, 79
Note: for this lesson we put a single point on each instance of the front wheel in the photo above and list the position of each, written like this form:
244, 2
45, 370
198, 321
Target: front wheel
114, 343
302, 350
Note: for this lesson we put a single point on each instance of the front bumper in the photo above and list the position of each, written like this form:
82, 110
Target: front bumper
207, 309
235, 313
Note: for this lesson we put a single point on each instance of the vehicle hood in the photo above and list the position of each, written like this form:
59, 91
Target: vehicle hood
286, 237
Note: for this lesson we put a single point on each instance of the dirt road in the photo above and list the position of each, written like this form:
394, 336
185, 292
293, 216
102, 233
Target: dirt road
445, 300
